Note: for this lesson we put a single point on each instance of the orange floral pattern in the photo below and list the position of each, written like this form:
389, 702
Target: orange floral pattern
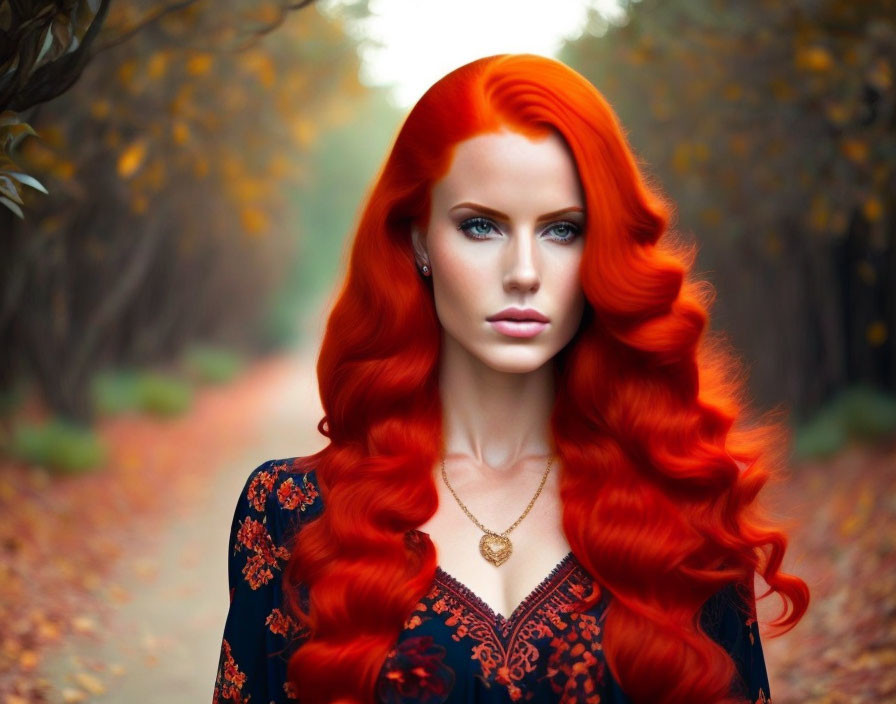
454, 648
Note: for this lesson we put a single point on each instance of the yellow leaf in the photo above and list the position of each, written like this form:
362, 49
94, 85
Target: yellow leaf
733, 91
139, 204
263, 67
681, 160
180, 132
873, 208
126, 71
73, 696
100, 109
781, 89
200, 167
158, 63
855, 149
814, 58
131, 158
199, 64
254, 220
64, 170
881, 75
876, 334
838, 113
819, 213
29, 659
303, 131
84, 624
89, 682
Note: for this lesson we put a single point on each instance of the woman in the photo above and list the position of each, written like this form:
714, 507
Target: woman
536, 486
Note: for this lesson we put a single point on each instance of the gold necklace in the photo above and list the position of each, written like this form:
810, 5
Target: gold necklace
496, 547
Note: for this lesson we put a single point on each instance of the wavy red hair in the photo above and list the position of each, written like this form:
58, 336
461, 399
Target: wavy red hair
660, 464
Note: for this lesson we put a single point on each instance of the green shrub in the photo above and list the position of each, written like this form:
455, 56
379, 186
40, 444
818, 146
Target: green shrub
163, 394
58, 445
868, 414
212, 365
859, 413
115, 391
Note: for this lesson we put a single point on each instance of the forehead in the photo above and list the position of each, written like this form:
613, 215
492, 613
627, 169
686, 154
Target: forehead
505, 164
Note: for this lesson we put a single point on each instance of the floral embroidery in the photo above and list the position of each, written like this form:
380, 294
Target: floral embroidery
452, 638
290, 690
282, 624
230, 681
573, 669
415, 668
261, 485
253, 535
291, 497
507, 649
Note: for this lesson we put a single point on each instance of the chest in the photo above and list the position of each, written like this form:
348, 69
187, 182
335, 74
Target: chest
537, 543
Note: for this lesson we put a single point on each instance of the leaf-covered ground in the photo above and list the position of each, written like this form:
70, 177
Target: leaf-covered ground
79, 552
106, 582
843, 543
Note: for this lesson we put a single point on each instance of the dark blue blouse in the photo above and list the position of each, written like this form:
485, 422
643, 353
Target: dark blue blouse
454, 648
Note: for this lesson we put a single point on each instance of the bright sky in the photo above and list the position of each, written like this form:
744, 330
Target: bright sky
422, 40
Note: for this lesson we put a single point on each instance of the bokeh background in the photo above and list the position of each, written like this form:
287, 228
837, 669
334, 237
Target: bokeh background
178, 185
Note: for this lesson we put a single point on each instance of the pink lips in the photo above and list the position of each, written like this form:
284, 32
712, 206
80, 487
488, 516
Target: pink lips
519, 322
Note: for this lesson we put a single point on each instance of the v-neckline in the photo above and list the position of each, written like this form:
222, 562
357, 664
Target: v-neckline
540, 589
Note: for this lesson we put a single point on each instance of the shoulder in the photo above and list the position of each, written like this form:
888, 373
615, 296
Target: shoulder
277, 497
282, 485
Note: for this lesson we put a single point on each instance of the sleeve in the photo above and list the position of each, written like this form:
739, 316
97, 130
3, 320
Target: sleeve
258, 636
729, 617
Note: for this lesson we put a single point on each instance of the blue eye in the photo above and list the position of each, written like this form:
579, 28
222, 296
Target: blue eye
469, 227
571, 228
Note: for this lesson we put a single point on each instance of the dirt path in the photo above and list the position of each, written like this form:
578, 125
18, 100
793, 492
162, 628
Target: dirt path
156, 637
160, 643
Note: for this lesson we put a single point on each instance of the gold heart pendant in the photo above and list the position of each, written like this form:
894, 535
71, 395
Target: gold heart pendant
495, 548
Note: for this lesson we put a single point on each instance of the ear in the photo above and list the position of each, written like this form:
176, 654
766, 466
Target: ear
418, 239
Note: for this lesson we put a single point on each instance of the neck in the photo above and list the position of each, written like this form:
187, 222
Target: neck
499, 419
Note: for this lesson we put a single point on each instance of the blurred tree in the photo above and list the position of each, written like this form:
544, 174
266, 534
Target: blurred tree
773, 127
167, 166
45, 45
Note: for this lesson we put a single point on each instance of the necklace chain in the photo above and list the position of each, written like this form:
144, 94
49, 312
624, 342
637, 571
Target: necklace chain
495, 547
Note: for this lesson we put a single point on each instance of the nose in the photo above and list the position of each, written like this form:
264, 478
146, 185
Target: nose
522, 268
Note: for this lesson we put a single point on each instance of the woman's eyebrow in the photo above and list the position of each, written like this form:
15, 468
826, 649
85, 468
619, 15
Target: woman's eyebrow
501, 216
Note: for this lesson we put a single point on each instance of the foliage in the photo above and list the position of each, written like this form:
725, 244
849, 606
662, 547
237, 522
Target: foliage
858, 414
163, 394
208, 364
59, 445
12, 130
114, 391
170, 164
772, 127
47, 44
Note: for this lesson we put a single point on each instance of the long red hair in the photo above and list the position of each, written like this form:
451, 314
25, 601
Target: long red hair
660, 466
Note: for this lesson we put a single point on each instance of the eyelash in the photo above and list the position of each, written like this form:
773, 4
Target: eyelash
467, 224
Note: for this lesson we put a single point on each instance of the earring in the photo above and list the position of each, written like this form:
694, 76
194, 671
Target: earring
425, 269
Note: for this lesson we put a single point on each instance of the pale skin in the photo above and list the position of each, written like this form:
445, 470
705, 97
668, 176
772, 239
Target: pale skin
497, 391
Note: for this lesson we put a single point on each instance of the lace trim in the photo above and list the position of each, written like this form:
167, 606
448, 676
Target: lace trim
553, 580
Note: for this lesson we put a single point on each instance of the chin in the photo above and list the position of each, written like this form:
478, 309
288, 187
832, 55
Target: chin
517, 361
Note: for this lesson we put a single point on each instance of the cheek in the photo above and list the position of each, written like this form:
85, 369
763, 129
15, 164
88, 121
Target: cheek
573, 301
458, 288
